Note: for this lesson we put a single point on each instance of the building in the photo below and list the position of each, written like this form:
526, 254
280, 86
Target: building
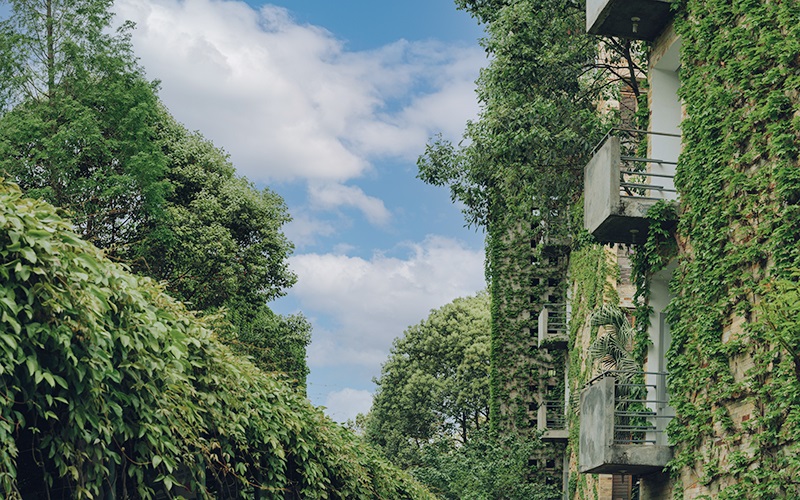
689, 226
711, 409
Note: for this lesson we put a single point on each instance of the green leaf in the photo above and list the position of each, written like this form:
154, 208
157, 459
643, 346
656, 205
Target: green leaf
9, 340
32, 364
29, 254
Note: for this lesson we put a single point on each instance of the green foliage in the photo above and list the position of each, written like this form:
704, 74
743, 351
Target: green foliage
649, 258
273, 342
590, 270
520, 163
48, 42
780, 312
83, 130
487, 467
88, 134
614, 348
219, 238
111, 387
218, 243
435, 385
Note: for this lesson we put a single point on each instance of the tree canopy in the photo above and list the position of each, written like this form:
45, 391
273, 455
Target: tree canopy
83, 129
435, 383
430, 413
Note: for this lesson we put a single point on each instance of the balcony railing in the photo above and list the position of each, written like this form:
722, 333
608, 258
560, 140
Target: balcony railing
623, 421
621, 184
634, 19
553, 421
553, 326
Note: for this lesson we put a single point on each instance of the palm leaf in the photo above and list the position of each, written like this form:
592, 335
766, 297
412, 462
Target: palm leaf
613, 348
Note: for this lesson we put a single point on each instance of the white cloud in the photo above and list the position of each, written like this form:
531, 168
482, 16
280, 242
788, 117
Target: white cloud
372, 301
331, 196
287, 100
345, 404
304, 229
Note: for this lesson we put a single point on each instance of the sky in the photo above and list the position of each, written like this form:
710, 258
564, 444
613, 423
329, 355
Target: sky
329, 104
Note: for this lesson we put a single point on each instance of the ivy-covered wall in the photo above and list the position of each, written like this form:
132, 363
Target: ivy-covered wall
734, 379
593, 274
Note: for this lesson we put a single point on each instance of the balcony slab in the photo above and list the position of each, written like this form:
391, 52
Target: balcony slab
598, 453
633, 19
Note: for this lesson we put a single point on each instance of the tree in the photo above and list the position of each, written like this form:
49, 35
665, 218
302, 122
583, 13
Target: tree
219, 237
79, 127
110, 388
489, 466
435, 383
218, 245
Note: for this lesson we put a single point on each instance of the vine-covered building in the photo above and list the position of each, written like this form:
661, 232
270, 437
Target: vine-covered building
671, 249
697, 221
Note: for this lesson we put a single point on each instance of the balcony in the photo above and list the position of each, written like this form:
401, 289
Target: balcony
553, 326
623, 421
620, 186
634, 19
552, 421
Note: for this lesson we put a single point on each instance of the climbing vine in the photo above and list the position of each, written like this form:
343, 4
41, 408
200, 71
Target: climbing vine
733, 382
648, 258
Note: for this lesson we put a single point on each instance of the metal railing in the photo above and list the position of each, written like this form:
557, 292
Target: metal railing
555, 418
641, 177
555, 319
641, 406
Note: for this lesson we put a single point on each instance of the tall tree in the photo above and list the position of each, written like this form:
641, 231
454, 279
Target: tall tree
218, 244
79, 124
435, 383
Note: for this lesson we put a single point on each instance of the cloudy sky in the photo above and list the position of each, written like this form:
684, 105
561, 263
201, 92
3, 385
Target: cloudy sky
329, 103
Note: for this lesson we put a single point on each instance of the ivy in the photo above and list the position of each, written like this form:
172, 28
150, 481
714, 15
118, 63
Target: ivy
648, 258
733, 374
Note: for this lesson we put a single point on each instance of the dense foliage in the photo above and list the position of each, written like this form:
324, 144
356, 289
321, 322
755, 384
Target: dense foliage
734, 318
430, 414
518, 171
110, 387
435, 384
80, 121
488, 466
218, 243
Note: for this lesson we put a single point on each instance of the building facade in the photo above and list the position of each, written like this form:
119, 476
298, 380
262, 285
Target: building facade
698, 215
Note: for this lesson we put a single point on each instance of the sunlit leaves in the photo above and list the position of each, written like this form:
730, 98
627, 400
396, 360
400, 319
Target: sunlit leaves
105, 371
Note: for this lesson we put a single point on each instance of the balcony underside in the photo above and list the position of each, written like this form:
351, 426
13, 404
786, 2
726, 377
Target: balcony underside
555, 435
633, 19
631, 459
623, 228
554, 341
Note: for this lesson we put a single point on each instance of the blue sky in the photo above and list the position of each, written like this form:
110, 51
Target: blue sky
329, 103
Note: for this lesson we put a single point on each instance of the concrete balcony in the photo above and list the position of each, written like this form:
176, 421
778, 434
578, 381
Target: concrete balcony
552, 421
634, 19
620, 187
623, 421
553, 326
